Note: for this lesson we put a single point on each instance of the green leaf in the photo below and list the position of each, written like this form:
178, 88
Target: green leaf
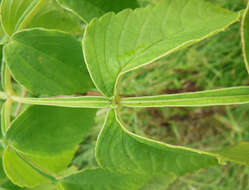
2, 174
52, 165
49, 131
121, 151
226, 96
15, 12
77, 102
20, 14
52, 16
10, 186
159, 182
100, 179
47, 62
3, 35
245, 36
45, 187
238, 153
19, 172
88, 9
116, 44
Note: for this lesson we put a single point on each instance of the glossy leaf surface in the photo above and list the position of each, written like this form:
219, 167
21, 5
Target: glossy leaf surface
116, 44
226, 96
47, 62
52, 130
88, 9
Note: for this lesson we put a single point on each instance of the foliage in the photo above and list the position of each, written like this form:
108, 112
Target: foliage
44, 56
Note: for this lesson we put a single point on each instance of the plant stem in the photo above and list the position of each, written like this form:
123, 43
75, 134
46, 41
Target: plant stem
6, 114
80, 102
116, 98
7, 95
3, 95
19, 106
7, 82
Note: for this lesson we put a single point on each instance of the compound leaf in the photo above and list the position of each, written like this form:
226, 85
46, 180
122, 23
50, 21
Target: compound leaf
49, 131
14, 12
19, 172
47, 62
116, 44
245, 36
88, 9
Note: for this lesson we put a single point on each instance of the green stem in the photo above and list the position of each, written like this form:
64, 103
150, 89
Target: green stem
7, 82
116, 98
226, 96
3, 95
79, 102
19, 106
6, 116
6, 109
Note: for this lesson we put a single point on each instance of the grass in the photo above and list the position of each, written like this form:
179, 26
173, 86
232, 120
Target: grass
214, 63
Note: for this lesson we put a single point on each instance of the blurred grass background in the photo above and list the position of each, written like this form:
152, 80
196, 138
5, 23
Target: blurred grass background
214, 63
